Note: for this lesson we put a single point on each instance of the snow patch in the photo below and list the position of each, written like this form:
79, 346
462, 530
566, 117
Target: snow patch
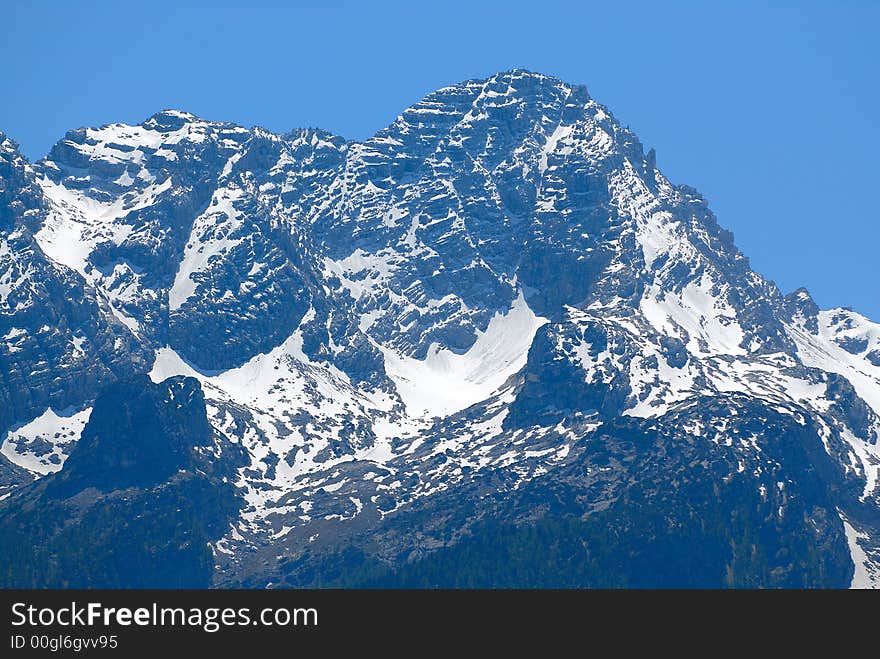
550, 146
822, 351
445, 382
41, 446
866, 574
209, 237
700, 313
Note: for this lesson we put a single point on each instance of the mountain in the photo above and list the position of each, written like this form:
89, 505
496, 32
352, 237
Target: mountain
491, 345
59, 341
137, 502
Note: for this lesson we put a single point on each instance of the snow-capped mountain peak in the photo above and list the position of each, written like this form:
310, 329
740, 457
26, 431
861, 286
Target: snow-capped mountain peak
487, 291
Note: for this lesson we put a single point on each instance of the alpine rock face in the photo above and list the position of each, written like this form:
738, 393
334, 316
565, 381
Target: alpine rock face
492, 345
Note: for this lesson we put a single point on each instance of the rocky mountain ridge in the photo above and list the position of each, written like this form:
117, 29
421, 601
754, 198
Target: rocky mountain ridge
472, 316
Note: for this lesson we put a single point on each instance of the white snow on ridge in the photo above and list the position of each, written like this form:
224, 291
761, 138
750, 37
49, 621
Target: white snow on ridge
561, 133
289, 398
655, 229
699, 313
276, 388
843, 324
676, 385
209, 236
869, 457
37, 445
445, 382
867, 574
821, 351
77, 223
251, 384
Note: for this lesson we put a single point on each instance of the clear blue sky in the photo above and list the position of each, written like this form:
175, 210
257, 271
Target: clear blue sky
769, 109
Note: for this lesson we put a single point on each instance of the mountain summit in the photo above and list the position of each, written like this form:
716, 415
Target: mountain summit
492, 345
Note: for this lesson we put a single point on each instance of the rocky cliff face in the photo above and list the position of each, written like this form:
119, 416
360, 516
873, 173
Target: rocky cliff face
495, 316
138, 502
59, 341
